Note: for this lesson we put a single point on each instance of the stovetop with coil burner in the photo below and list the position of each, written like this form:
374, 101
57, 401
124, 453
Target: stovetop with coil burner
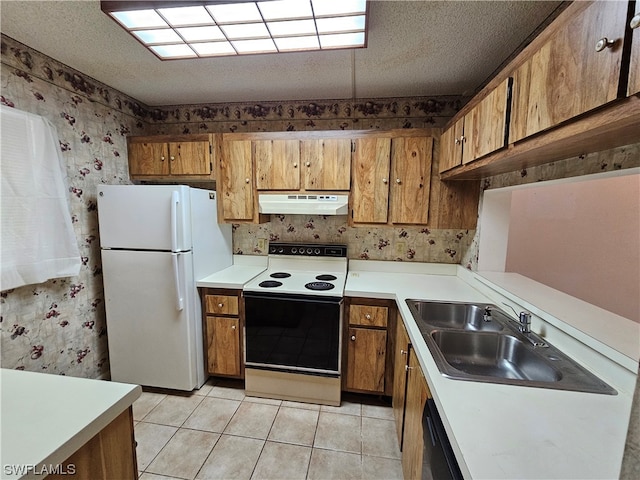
303, 269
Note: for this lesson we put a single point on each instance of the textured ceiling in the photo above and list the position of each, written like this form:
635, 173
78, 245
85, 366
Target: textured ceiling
415, 48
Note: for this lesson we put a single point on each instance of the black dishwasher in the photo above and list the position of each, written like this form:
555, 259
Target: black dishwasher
438, 460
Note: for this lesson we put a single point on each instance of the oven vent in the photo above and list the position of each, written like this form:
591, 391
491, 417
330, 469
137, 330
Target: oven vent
309, 204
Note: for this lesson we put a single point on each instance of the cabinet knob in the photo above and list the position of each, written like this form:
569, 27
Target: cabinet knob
384, 180
398, 181
162, 158
172, 157
367, 316
635, 21
220, 305
407, 368
308, 164
295, 165
457, 141
353, 337
233, 327
463, 139
246, 180
403, 352
603, 43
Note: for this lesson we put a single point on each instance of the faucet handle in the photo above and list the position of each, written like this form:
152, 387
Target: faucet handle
525, 320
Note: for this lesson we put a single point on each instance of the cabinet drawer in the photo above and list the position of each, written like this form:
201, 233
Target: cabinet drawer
368, 315
222, 304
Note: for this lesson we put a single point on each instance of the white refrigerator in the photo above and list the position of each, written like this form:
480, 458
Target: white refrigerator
157, 241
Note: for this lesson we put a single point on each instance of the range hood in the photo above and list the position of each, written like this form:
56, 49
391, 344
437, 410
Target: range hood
277, 203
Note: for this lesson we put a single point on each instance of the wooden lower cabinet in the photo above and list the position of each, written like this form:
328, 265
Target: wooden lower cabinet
223, 321
400, 375
416, 398
367, 362
108, 455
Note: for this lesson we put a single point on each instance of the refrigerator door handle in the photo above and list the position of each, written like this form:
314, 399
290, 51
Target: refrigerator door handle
176, 281
175, 200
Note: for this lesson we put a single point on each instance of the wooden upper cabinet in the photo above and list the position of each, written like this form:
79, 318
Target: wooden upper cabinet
235, 181
411, 159
370, 189
634, 66
326, 163
189, 158
148, 158
165, 156
485, 125
451, 146
575, 71
277, 164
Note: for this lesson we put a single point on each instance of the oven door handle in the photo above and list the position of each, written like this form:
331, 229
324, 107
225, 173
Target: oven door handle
295, 298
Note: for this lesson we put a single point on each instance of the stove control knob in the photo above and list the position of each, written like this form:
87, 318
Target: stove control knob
272, 250
317, 251
309, 251
294, 250
301, 251
280, 250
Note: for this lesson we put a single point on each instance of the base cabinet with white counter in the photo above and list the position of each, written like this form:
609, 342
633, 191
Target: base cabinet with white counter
223, 332
368, 352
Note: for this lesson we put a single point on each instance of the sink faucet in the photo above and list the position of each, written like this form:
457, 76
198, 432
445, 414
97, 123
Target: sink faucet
525, 322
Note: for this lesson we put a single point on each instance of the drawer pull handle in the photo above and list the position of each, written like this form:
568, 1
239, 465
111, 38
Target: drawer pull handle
367, 316
220, 305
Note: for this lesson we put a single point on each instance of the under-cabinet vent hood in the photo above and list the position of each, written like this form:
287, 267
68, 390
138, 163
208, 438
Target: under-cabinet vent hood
283, 204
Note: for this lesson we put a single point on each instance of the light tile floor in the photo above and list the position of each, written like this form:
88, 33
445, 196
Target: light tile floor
219, 433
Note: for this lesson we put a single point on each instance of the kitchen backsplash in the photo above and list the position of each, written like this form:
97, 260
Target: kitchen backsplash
417, 244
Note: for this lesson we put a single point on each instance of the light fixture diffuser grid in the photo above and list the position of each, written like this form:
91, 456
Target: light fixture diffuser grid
208, 29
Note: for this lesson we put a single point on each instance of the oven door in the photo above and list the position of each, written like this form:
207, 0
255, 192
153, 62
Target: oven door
293, 332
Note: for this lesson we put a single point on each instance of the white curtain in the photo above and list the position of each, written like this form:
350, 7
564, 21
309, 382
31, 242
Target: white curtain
36, 235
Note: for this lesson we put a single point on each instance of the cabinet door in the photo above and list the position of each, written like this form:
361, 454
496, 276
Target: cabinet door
370, 190
400, 364
410, 179
567, 76
634, 65
366, 359
326, 163
485, 125
277, 164
148, 158
190, 158
451, 146
417, 394
223, 341
235, 184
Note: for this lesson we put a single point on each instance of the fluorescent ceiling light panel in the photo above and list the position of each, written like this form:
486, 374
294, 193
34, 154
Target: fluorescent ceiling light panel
183, 16
201, 34
166, 35
282, 9
173, 51
292, 27
206, 29
288, 44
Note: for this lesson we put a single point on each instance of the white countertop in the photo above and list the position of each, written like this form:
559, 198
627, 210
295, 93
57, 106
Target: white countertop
502, 431
46, 417
244, 268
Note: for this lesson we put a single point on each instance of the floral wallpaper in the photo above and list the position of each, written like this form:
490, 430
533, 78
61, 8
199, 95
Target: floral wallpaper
59, 326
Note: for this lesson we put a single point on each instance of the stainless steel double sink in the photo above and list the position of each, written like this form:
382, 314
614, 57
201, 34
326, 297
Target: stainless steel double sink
482, 343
